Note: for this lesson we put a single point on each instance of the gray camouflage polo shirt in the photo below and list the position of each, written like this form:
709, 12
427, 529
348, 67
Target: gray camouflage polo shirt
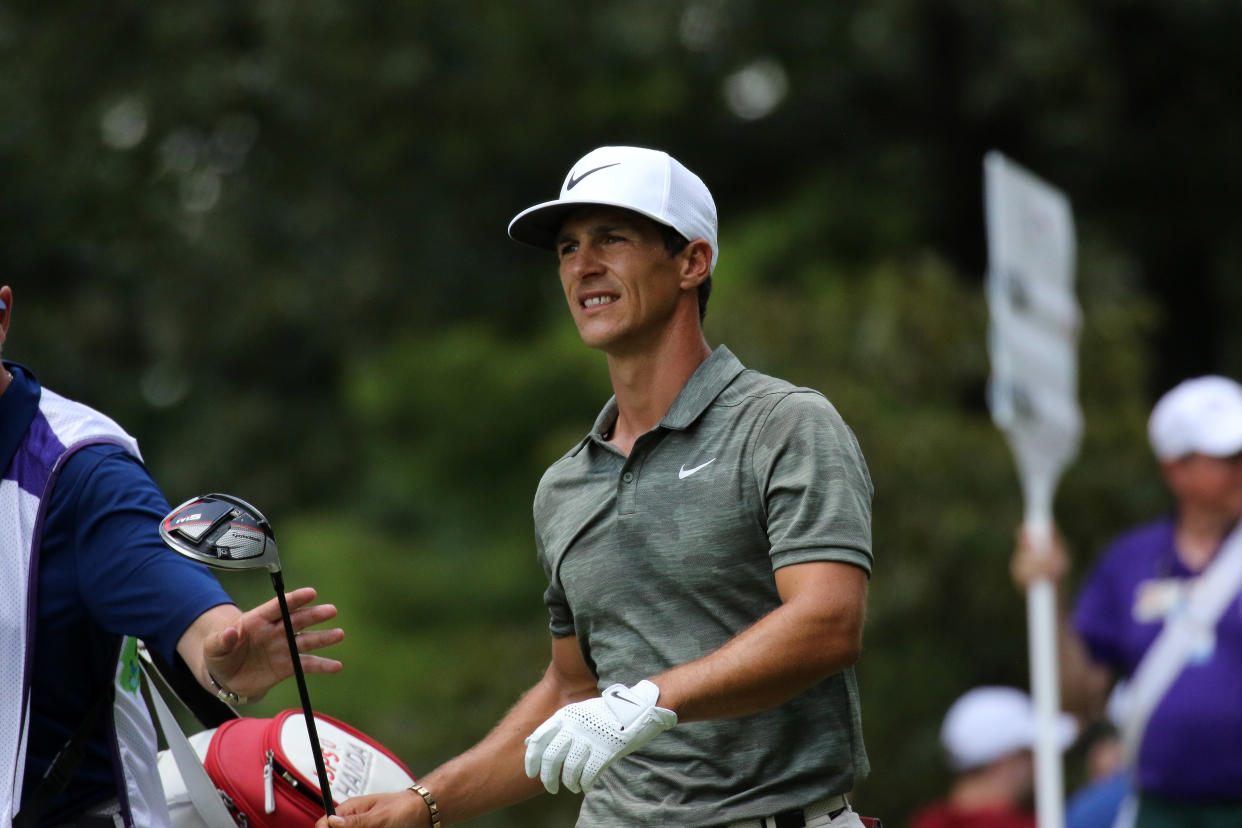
661, 557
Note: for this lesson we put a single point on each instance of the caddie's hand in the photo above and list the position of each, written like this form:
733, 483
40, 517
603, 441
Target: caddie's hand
390, 810
250, 655
580, 740
1030, 563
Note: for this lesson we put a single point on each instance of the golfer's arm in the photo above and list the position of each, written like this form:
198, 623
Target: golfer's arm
190, 645
816, 631
491, 774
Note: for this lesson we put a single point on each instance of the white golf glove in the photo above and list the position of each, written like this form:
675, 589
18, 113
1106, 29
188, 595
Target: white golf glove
581, 739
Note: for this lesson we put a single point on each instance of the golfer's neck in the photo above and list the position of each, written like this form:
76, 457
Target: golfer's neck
647, 383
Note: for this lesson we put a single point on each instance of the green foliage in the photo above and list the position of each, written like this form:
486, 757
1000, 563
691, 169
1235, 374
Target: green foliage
460, 428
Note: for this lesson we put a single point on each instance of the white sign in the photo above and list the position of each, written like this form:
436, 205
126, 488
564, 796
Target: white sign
1033, 395
1033, 337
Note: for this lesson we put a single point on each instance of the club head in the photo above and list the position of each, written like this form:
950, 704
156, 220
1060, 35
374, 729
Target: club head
222, 531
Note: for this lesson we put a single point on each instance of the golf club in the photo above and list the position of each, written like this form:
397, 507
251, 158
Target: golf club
226, 532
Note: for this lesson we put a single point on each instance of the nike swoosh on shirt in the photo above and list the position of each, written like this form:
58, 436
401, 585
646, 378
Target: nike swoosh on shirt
684, 473
574, 180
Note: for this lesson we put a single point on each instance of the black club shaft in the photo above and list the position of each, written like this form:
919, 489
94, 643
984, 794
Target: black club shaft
326, 789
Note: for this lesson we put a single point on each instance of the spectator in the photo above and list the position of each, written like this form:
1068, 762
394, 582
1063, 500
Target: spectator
988, 735
1096, 803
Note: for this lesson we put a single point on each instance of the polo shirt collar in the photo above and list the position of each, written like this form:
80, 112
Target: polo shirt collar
18, 405
705, 384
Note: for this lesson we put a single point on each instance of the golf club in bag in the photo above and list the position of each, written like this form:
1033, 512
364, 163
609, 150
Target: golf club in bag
226, 532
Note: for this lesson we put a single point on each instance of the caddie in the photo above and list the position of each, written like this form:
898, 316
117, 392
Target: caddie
85, 568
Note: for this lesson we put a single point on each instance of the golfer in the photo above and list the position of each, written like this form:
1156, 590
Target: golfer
707, 547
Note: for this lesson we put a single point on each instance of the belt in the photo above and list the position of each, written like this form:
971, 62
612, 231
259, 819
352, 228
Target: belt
833, 806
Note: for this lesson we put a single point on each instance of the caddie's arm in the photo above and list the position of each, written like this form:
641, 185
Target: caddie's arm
489, 775
241, 655
815, 632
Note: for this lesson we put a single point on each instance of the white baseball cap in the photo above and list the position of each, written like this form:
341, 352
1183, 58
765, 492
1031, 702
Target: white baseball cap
1198, 416
646, 181
990, 722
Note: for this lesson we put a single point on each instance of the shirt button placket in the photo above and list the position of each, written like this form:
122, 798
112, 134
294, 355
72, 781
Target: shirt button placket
626, 500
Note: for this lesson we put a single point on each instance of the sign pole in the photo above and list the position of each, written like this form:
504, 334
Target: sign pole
1041, 624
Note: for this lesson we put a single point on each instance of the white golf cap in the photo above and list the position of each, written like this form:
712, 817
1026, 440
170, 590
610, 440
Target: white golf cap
646, 181
990, 722
1198, 416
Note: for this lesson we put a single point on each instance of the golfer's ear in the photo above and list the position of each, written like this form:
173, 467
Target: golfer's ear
696, 263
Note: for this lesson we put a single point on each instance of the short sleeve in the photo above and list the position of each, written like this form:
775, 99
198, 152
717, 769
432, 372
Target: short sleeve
560, 618
815, 484
132, 583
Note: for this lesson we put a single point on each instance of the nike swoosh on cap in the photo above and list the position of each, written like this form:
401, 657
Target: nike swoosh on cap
574, 180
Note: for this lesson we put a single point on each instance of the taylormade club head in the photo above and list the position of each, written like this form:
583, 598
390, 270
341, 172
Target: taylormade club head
226, 532
222, 531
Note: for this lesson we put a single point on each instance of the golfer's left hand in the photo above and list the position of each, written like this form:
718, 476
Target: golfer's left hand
580, 740
249, 653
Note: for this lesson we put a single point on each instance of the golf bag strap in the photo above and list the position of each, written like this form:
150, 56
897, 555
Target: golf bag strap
180, 680
64, 764
198, 784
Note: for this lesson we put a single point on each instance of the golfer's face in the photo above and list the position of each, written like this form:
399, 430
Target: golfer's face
621, 284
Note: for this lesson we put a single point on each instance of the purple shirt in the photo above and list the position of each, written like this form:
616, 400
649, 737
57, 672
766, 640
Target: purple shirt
1193, 744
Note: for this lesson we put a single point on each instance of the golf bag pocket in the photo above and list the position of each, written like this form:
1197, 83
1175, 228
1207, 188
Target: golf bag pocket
265, 772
